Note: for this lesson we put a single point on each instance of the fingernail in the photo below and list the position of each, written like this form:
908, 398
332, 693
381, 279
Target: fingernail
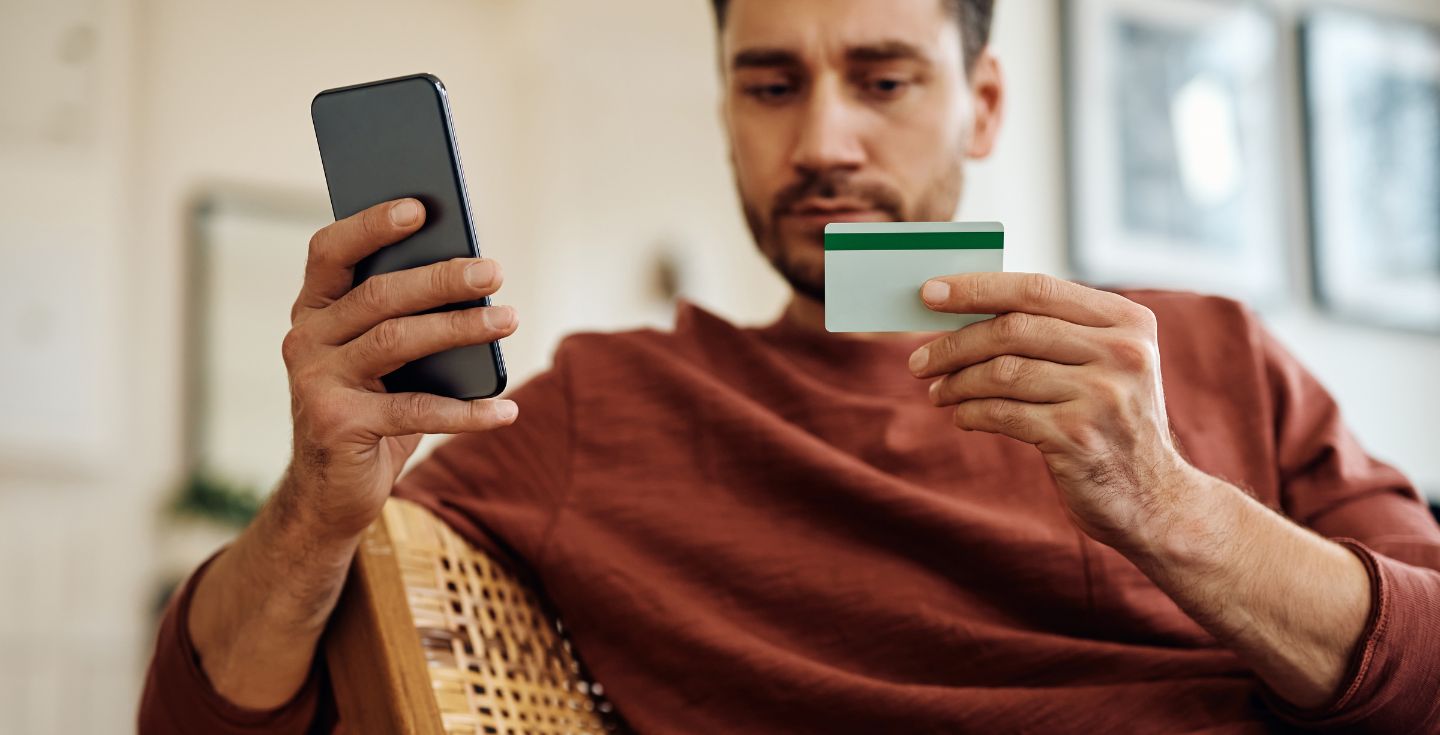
499, 317
405, 212
506, 410
919, 358
479, 274
935, 389
935, 292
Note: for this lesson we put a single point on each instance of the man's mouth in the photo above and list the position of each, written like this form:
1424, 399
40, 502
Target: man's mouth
819, 214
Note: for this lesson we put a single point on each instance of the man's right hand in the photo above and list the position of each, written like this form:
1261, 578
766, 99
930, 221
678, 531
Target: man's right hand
259, 609
351, 438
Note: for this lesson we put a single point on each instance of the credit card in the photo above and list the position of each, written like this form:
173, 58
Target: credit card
874, 271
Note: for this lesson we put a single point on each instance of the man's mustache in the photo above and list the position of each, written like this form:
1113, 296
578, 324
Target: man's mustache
835, 184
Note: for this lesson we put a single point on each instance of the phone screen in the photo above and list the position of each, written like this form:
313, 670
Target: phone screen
392, 139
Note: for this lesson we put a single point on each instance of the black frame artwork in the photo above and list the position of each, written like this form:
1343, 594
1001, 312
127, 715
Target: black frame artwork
1371, 86
1173, 115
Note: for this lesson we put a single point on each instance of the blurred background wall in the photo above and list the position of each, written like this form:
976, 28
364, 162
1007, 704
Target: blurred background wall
595, 160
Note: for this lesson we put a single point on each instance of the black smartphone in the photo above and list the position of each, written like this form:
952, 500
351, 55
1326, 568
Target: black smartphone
391, 139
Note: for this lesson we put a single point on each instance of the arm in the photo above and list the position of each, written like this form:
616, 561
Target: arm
261, 605
1075, 372
257, 611
1291, 604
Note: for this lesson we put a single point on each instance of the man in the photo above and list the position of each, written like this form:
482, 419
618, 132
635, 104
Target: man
1121, 520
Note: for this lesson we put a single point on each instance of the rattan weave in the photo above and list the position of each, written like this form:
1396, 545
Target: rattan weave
498, 663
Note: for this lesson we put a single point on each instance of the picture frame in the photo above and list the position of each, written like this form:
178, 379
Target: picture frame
1371, 89
246, 260
1172, 116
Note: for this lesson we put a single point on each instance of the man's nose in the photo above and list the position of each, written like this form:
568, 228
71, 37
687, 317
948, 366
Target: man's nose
829, 134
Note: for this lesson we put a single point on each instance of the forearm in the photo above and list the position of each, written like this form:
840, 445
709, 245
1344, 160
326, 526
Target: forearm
1290, 603
262, 605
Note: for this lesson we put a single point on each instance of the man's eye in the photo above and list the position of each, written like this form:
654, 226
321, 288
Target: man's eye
886, 87
777, 92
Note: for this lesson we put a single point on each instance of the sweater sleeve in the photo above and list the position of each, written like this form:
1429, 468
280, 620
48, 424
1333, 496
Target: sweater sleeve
500, 489
1330, 484
179, 698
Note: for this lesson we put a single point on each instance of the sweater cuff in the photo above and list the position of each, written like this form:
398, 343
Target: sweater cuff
179, 697
1390, 682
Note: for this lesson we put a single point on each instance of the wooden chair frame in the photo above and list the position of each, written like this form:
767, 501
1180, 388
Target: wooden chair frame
434, 637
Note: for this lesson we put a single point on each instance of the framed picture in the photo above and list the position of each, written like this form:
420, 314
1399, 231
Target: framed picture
1372, 99
1173, 125
247, 255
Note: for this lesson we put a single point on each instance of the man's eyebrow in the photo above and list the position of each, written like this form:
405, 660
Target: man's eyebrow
768, 58
764, 58
886, 51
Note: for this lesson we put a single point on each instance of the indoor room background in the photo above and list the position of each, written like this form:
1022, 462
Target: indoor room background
159, 179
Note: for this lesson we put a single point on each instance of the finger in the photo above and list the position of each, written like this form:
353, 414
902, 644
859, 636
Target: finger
1008, 376
1033, 293
1016, 333
336, 248
403, 293
1021, 421
394, 342
399, 414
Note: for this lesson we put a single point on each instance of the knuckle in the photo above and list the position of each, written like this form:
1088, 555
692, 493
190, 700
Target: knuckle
373, 294
1075, 431
461, 321
375, 222
1009, 369
402, 410
446, 277
387, 337
1038, 287
1132, 355
1012, 328
1145, 317
975, 290
1109, 393
303, 382
292, 347
1012, 420
316, 250
1002, 416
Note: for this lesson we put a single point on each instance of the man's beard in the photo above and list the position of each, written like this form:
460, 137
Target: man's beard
808, 278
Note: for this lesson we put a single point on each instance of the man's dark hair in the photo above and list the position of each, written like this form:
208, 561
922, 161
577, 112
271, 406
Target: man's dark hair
973, 16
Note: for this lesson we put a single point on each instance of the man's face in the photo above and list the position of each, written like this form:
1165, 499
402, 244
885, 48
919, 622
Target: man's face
846, 111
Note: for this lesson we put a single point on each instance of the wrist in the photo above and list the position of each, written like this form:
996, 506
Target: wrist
320, 513
300, 568
1190, 525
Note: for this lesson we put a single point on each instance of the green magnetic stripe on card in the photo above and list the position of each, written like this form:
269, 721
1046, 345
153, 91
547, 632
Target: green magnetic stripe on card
915, 241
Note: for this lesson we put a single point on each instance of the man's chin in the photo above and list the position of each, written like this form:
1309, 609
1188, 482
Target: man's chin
807, 289
807, 282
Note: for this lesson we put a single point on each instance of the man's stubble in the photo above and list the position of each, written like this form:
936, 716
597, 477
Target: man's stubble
806, 275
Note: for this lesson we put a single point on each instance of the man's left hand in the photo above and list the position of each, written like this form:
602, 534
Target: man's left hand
1073, 371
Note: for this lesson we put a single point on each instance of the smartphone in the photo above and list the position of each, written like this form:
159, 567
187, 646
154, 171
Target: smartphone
391, 139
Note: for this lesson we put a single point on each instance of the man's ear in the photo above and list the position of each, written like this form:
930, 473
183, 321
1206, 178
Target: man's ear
987, 88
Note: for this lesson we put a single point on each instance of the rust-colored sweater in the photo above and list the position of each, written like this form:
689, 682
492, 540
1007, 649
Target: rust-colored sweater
765, 530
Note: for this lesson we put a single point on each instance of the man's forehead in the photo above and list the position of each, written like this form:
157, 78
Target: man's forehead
808, 28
